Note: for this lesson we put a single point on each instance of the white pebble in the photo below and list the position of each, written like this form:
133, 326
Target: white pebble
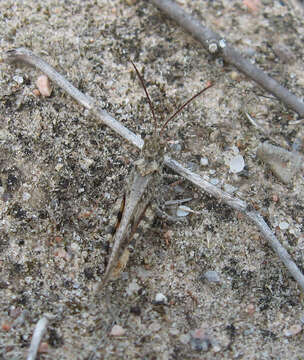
184, 338
161, 298
117, 330
183, 211
26, 196
18, 79
283, 225
212, 276
237, 164
204, 162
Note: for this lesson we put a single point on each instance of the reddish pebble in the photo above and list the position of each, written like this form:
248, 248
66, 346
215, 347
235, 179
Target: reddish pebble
117, 330
6, 326
36, 92
275, 198
250, 309
44, 86
43, 348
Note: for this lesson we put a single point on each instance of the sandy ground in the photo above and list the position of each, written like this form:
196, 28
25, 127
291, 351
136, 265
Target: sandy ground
61, 173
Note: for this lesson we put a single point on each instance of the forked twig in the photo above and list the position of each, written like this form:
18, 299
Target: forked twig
28, 57
214, 42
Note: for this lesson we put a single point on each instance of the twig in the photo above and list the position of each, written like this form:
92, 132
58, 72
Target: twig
237, 204
28, 57
213, 42
246, 209
39, 331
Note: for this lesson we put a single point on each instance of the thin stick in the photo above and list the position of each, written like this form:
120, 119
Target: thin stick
226, 198
39, 331
28, 57
206, 37
246, 209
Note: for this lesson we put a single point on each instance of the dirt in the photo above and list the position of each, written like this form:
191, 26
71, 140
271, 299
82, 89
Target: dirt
61, 172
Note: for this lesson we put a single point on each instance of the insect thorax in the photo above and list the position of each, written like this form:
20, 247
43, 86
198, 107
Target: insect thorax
152, 155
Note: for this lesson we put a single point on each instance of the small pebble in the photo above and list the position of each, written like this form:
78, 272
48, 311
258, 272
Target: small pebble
184, 338
283, 225
293, 330
132, 288
236, 76
200, 340
117, 330
250, 309
204, 162
43, 348
6, 326
44, 86
36, 92
161, 299
26, 196
19, 79
183, 210
174, 331
212, 276
237, 164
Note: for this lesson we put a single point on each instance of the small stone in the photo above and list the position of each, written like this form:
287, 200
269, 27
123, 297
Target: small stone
212, 276
204, 161
184, 338
4, 134
250, 309
44, 86
293, 330
58, 167
183, 210
212, 48
85, 163
200, 340
6, 326
117, 330
26, 196
283, 225
161, 299
174, 331
19, 79
237, 164
132, 288
36, 92
283, 163
155, 326
236, 76
43, 347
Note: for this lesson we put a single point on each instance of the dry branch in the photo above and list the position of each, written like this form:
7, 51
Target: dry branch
28, 57
213, 42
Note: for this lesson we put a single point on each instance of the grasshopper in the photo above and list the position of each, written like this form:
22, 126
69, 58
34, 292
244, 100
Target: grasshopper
143, 183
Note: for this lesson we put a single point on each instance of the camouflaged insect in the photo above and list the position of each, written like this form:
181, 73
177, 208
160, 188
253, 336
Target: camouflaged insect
145, 178
143, 183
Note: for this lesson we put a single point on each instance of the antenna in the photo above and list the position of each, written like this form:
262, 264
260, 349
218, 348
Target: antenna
147, 94
183, 106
